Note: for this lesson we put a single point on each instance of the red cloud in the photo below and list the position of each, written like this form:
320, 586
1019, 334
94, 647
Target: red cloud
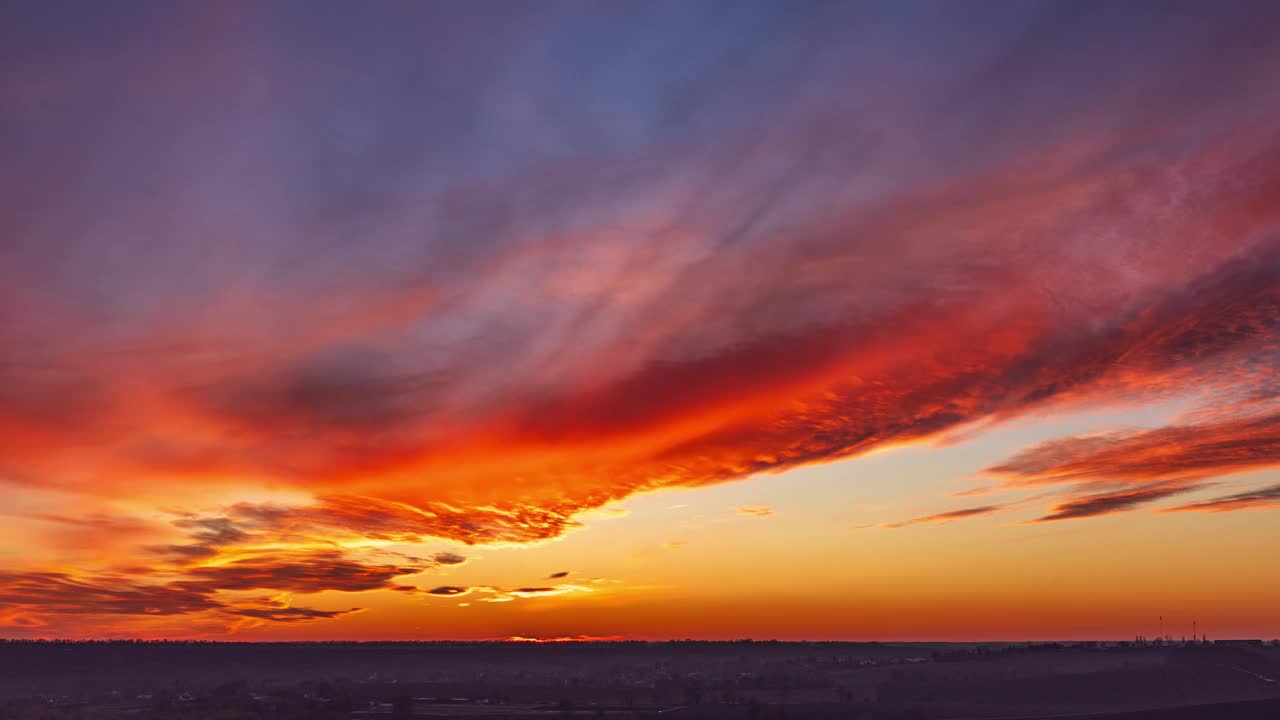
830, 392
1199, 450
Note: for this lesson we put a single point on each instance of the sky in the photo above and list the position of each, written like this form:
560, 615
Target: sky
794, 320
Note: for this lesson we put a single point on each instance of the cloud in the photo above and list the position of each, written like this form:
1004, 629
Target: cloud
1142, 354
20, 618
245, 549
448, 591
502, 595
1157, 463
208, 591
563, 639
46, 600
1203, 449
948, 516
300, 572
291, 614
215, 531
1265, 497
547, 591
758, 511
96, 531
210, 536
280, 609
334, 391
52, 593
1115, 501
558, 575
392, 520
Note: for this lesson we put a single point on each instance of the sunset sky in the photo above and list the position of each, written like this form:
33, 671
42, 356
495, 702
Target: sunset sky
795, 320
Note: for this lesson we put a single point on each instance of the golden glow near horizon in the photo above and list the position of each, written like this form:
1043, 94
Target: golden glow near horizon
406, 325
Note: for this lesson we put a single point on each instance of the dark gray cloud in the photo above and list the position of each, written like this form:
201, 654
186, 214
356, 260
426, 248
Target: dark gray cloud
62, 594
290, 614
198, 589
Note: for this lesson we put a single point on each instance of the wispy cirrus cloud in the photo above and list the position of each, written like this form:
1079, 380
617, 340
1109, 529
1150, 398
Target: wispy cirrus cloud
1202, 450
947, 516
1115, 501
1261, 498
1134, 468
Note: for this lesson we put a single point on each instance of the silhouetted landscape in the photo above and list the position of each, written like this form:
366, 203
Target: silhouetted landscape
51, 680
567, 329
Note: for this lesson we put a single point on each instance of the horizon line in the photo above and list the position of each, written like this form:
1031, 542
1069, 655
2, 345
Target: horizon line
519, 640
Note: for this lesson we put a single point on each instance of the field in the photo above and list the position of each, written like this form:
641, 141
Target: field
750, 680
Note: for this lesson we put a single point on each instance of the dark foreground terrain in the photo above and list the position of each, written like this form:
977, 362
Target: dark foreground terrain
745, 680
